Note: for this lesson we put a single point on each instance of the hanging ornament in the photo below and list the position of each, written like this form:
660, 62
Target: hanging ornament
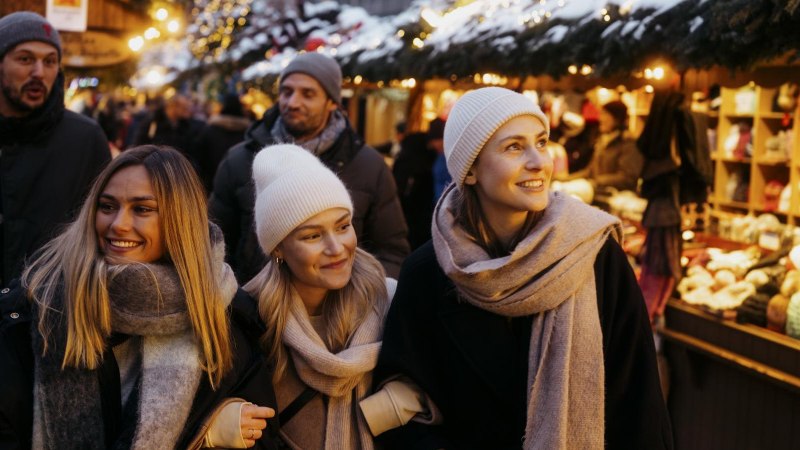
313, 43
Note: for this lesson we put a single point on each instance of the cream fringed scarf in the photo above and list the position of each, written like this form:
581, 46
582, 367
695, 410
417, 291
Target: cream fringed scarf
550, 275
345, 377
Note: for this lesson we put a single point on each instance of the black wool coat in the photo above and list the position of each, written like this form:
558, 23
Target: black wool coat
473, 364
250, 377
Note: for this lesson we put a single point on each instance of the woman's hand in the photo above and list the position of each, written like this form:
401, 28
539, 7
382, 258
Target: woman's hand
253, 420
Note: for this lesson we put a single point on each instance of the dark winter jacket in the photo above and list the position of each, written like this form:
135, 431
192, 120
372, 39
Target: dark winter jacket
249, 378
413, 173
617, 165
44, 178
377, 216
473, 364
220, 134
158, 130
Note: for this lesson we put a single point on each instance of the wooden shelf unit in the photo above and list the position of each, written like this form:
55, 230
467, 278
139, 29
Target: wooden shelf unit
757, 168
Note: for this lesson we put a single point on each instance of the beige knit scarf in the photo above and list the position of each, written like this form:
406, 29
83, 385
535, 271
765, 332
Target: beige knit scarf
344, 377
550, 275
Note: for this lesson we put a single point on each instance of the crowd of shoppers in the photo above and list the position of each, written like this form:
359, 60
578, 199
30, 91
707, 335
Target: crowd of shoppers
123, 324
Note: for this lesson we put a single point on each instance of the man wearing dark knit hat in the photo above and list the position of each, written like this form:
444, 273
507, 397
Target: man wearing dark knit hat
308, 114
49, 155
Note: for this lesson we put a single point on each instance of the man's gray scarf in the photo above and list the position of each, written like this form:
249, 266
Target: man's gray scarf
318, 144
148, 304
550, 275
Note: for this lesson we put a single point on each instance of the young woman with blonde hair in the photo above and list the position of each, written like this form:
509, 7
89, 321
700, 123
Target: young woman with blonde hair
323, 301
522, 320
139, 336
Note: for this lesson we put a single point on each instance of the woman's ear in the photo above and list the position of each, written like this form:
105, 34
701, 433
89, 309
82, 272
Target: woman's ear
470, 179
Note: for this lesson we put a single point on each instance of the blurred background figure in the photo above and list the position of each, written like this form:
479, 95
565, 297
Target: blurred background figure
616, 162
413, 173
390, 149
170, 125
223, 131
441, 177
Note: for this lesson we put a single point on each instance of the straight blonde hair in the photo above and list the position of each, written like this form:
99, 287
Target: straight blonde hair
73, 261
343, 310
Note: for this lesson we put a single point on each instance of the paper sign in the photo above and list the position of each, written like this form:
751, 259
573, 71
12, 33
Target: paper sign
68, 15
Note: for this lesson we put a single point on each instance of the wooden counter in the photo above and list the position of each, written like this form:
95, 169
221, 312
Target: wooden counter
732, 386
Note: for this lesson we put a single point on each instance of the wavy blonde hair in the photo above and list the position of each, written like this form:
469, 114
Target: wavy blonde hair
343, 310
73, 260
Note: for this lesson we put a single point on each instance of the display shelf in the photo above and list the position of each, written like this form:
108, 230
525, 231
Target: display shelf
728, 159
731, 203
774, 163
768, 162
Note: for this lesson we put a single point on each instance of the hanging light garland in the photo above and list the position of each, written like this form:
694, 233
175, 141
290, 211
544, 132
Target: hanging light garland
214, 23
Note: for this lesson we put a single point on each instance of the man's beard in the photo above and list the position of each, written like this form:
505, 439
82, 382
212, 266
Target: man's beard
14, 98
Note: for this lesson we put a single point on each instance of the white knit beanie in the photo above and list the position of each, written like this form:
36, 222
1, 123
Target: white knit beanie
292, 186
474, 119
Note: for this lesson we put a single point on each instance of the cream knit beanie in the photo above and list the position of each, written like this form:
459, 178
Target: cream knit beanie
292, 186
474, 119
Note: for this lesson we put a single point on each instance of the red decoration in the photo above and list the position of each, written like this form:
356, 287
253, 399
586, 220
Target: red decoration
313, 43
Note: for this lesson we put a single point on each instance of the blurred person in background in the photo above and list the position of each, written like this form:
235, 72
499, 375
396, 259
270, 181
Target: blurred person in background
435, 142
170, 125
616, 162
223, 131
413, 173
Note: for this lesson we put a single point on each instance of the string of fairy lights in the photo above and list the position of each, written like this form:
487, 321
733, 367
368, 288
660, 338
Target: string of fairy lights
214, 24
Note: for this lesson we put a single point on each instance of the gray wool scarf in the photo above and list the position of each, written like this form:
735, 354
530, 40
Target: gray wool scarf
318, 144
148, 304
550, 274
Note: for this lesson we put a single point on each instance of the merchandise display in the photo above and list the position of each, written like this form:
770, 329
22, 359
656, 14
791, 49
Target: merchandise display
744, 286
579, 188
627, 205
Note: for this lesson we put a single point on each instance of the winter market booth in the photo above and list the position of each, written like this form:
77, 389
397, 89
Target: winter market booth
723, 285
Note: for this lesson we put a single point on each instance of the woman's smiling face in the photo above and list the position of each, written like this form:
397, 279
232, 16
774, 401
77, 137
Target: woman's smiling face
127, 222
320, 253
512, 173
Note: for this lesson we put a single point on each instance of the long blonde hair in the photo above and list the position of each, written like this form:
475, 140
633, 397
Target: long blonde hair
73, 261
343, 310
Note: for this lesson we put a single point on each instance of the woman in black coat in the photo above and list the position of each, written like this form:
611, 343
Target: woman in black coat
128, 330
522, 320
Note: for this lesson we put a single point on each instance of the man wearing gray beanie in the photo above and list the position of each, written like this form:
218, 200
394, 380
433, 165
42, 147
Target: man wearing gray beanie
50, 154
308, 114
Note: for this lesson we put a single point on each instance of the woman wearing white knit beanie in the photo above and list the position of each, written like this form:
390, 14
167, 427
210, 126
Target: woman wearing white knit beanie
522, 320
323, 301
